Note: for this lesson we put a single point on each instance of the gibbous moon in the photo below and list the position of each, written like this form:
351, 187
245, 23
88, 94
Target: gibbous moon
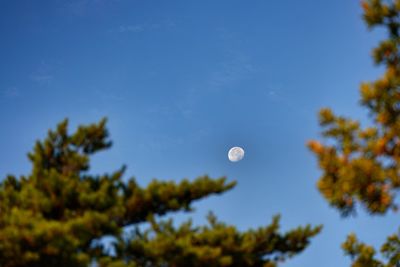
235, 154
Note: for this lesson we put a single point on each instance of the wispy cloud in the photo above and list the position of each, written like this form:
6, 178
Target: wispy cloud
42, 74
42, 78
142, 27
236, 65
276, 93
217, 82
109, 95
11, 92
82, 7
230, 71
130, 28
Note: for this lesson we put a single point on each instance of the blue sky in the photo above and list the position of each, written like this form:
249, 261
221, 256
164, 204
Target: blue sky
183, 81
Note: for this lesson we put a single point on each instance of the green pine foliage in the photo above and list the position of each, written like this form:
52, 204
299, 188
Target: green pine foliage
361, 166
57, 214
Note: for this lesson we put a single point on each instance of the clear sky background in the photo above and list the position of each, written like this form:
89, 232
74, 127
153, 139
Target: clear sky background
183, 81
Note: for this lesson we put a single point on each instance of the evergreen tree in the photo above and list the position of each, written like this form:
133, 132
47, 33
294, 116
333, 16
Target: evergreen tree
57, 215
362, 164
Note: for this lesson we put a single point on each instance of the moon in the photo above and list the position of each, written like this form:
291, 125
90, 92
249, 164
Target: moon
235, 154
